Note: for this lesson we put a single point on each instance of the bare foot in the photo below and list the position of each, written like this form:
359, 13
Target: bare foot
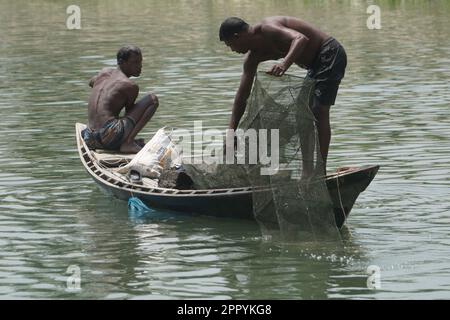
306, 177
130, 147
140, 142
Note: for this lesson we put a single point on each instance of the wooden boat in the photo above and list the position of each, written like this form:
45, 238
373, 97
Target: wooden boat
344, 188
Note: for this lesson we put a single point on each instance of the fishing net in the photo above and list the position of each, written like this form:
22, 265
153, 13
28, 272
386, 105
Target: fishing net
297, 193
293, 192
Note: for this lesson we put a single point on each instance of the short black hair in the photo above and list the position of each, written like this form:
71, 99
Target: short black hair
125, 52
231, 26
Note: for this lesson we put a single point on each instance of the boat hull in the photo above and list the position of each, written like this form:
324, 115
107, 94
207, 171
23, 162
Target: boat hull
233, 205
344, 189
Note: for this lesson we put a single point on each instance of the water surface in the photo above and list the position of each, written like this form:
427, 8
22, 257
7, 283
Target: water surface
392, 110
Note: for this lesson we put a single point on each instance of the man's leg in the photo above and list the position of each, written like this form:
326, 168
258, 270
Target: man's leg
322, 114
141, 112
307, 144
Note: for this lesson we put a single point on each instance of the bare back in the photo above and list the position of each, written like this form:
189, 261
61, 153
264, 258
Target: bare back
111, 92
276, 47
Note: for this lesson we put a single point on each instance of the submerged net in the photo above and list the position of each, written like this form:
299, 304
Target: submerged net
297, 193
294, 198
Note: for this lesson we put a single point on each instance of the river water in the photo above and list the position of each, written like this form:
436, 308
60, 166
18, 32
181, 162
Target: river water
392, 110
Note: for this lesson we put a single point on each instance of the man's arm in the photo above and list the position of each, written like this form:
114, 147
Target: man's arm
298, 43
131, 91
245, 87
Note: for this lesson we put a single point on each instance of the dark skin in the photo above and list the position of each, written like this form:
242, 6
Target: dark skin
112, 90
291, 39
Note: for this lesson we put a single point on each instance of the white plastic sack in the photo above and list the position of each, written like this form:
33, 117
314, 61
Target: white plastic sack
157, 154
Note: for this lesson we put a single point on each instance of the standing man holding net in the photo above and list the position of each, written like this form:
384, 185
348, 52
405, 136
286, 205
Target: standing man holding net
296, 41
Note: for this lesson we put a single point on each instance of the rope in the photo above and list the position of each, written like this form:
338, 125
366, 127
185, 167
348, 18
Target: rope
340, 197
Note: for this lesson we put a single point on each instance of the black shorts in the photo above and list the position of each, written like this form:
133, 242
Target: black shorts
327, 70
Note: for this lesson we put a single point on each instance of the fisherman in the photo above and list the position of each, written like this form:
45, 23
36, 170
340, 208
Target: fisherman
112, 90
296, 41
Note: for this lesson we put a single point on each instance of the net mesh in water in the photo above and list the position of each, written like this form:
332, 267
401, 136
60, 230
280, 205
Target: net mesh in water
295, 199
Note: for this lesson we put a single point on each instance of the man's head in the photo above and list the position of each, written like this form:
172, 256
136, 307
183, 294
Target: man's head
233, 31
129, 60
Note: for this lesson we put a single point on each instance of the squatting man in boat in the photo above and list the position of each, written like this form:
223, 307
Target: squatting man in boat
296, 41
112, 90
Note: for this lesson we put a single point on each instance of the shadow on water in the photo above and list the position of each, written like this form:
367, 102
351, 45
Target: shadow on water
165, 255
234, 261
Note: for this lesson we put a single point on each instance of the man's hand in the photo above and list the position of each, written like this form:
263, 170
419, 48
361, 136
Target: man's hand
277, 70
